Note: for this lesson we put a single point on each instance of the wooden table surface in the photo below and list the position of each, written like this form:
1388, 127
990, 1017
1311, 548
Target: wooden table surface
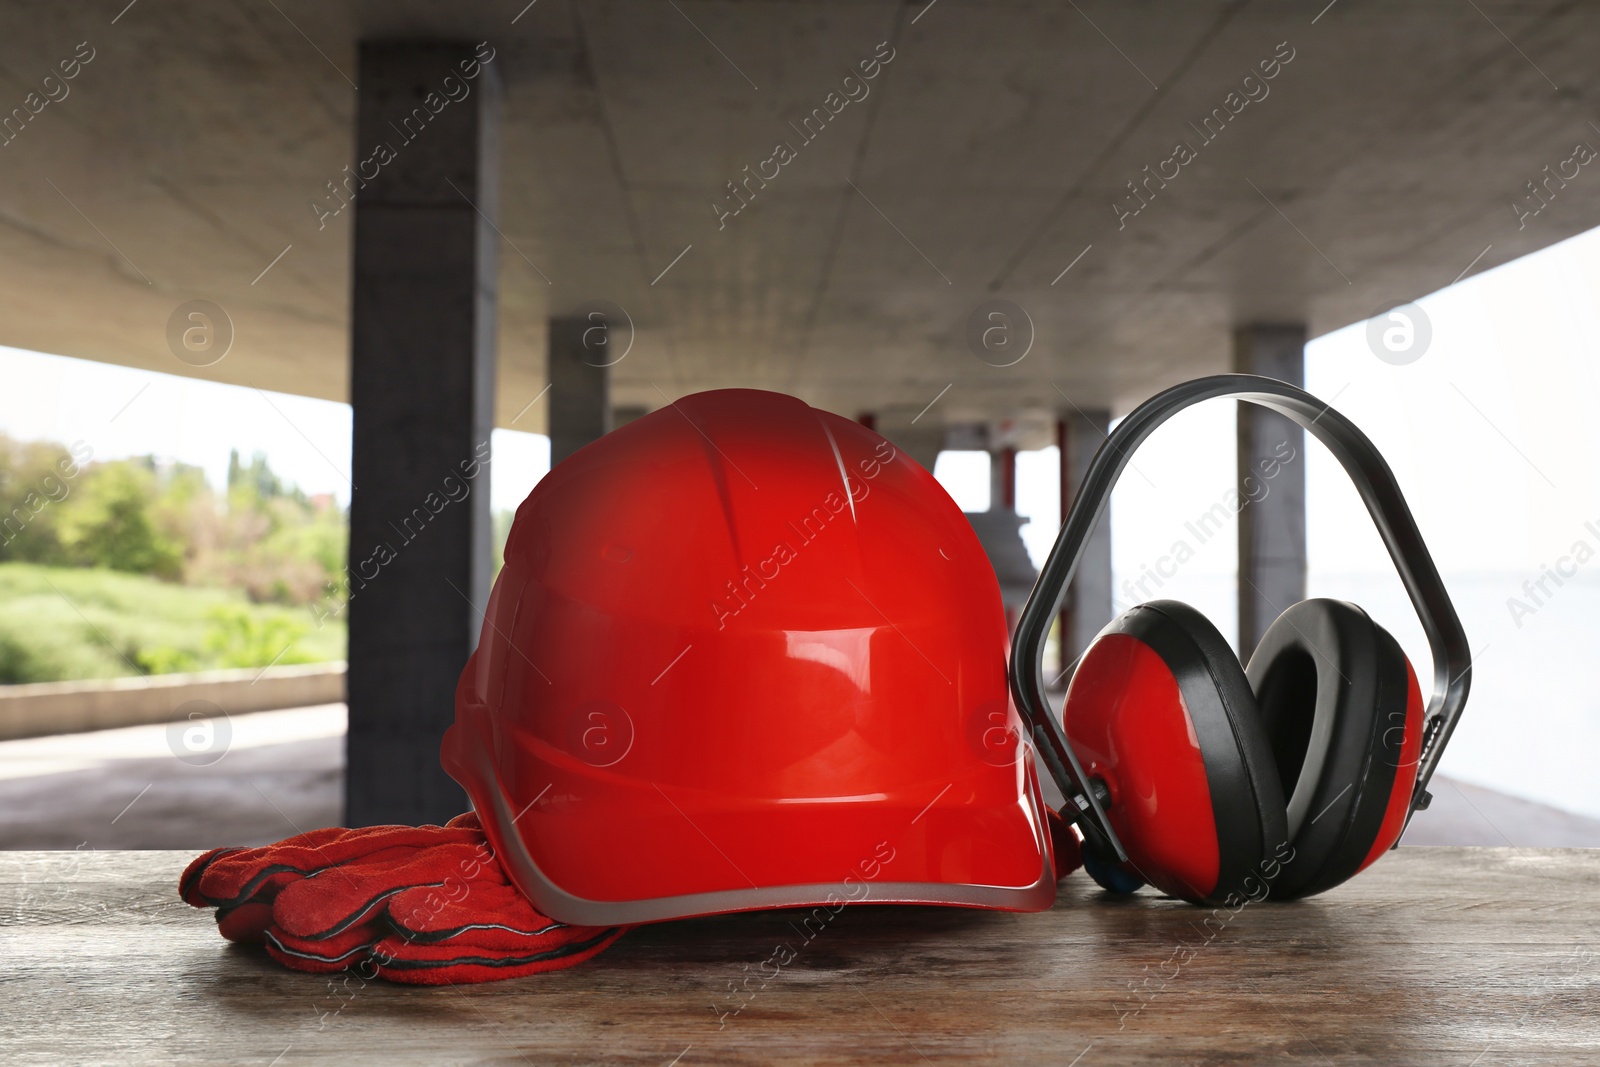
1435, 956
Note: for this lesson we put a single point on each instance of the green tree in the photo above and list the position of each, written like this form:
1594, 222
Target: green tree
258, 482
264, 536
35, 478
108, 523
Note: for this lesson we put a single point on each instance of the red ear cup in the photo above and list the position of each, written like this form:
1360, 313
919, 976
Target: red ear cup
1160, 710
1342, 715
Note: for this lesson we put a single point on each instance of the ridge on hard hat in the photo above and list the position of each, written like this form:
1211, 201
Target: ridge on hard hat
743, 654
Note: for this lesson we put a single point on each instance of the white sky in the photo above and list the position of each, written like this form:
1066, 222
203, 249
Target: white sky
1490, 433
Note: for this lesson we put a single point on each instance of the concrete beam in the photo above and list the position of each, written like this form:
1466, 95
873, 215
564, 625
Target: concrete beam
1272, 527
580, 384
205, 188
1088, 604
422, 342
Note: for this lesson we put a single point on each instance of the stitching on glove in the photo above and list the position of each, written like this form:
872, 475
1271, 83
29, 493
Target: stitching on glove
244, 895
188, 885
272, 939
355, 918
428, 937
396, 964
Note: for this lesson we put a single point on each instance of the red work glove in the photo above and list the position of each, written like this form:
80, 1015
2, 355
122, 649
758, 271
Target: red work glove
426, 905
1064, 843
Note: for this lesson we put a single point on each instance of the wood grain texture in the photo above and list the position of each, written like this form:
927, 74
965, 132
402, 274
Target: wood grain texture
1446, 956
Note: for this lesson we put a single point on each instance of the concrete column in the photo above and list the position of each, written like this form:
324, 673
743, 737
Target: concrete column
580, 384
1007, 551
1088, 605
1272, 527
422, 341
1003, 479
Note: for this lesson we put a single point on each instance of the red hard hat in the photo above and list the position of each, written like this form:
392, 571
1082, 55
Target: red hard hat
745, 654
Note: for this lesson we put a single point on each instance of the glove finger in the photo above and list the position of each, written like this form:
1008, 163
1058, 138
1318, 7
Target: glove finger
399, 960
228, 886
466, 820
188, 881
237, 875
245, 924
324, 956
479, 913
333, 900
227, 877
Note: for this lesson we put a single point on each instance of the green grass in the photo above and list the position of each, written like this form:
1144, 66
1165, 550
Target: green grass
61, 623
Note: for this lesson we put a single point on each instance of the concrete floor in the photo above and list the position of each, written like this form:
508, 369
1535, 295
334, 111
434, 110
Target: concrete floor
283, 772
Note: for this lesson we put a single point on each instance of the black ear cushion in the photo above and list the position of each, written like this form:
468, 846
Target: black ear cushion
1327, 680
1246, 798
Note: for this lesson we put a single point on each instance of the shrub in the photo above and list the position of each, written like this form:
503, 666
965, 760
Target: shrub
108, 523
61, 623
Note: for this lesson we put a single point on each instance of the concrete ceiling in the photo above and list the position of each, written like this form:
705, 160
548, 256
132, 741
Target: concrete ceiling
985, 159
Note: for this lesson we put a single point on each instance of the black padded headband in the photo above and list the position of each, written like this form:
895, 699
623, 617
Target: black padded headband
1452, 660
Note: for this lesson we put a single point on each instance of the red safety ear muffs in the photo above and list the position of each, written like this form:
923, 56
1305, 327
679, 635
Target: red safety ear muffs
1216, 783
1340, 709
1161, 713
1232, 783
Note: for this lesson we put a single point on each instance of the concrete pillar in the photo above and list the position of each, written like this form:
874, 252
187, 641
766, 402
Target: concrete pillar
1003, 479
580, 384
1013, 566
1272, 527
1087, 608
422, 346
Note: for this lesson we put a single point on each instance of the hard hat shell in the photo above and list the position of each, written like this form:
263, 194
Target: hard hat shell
745, 654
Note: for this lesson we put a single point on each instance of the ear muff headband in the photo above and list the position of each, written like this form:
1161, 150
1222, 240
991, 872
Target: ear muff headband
1367, 470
